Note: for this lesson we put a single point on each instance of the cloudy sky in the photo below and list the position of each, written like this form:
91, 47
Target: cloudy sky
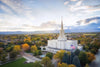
39, 15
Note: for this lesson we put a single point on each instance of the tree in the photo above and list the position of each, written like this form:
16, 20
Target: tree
91, 57
37, 64
66, 58
62, 65
77, 51
3, 56
83, 58
59, 55
35, 53
71, 57
76, 61
33, 48
17, 48
50, 55
71, 65
13, 54
25, 47
47, 62
2, 44
9, 49
86, 65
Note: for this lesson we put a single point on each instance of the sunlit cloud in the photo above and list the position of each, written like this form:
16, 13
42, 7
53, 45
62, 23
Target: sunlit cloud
33, 15
65, 3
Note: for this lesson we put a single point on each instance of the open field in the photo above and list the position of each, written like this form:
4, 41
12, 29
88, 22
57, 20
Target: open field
18, 63
89, 34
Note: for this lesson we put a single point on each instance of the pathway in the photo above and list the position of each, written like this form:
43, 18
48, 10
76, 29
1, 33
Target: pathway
30, 58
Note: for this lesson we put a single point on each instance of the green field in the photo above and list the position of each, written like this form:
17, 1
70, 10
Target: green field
89, 34
18, 63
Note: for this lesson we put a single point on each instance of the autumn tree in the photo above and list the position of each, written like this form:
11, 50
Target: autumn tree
91, 57
17, 48
33, 48
86, 65
71, 65
25, 47
59, 55
62, 65
47, 62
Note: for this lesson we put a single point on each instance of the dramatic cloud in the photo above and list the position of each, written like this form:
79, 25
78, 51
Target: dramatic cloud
34, 15
88, 21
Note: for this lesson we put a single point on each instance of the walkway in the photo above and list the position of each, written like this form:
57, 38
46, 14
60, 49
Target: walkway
30, 58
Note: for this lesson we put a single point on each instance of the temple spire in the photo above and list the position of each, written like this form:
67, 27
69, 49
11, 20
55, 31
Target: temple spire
62, 34
61, 23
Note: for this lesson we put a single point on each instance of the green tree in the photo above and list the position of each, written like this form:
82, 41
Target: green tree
37, 64
77, 51
76, 61
3, 57
9, 49
66, 58
50, 55
83, 58
71, 57
13, 55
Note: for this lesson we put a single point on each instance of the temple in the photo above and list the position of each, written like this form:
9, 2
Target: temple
61, 43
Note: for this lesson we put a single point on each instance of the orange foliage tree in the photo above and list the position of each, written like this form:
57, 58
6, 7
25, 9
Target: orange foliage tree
25, 46
91, 57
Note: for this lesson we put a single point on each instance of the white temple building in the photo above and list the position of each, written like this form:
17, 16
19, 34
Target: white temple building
61, 43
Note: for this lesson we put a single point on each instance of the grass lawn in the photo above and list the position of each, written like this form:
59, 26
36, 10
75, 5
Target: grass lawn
18, 63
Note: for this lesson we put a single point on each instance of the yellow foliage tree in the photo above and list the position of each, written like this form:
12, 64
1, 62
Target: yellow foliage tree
86, 65
25, 46
33, 48
62, 65
71, 65
28, 39
17, 48
59, 55
46, 62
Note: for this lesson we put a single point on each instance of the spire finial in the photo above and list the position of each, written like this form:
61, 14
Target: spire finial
61, 23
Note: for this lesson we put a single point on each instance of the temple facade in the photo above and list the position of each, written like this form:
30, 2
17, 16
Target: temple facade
61, 43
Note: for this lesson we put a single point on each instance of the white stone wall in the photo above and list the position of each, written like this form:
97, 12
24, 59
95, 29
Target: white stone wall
62, 44
52, 43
